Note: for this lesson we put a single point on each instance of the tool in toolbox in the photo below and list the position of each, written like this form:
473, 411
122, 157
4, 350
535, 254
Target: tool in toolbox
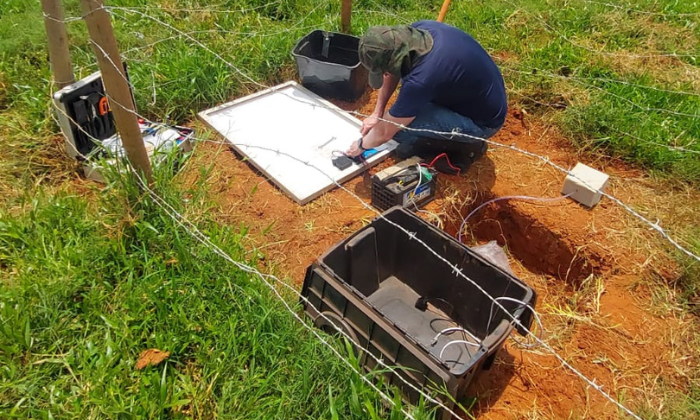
85, 115
407, 184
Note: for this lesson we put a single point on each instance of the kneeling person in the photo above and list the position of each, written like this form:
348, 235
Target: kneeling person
449, 84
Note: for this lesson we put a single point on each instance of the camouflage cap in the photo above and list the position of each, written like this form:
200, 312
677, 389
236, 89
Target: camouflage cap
383, 49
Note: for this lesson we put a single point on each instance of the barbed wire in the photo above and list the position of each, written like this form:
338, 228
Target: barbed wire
455, 270
540, 72
171, 27
207, 241
70, 19
260, 34
551, 28
629, 9
575, 79
197, 234
64, 20
205, 9
546, 160
453, 267
548, 74
636, 105
534, 73
411, 235
683, 149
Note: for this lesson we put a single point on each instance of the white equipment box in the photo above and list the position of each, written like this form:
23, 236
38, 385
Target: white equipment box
90, 134
585, 184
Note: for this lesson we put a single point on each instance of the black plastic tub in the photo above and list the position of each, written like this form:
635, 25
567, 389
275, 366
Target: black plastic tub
329, 65
396, 299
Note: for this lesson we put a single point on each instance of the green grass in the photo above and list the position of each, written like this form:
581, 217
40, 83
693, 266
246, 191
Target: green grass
87, 284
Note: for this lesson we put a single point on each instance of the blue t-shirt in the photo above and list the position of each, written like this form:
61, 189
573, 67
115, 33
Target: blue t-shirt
457, 74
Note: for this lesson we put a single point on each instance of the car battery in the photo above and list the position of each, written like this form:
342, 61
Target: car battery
91, 137
406, 184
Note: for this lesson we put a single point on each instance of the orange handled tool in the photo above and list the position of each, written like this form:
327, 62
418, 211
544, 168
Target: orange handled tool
103, 106
443, 10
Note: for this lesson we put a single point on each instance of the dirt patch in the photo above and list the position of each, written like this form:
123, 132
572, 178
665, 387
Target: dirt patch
593, 319
539, 248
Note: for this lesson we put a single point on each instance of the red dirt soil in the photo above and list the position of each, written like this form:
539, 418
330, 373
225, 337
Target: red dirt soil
559, 248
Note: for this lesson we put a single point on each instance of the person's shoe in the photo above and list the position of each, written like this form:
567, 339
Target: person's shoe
405, 150
466, 157
446, 166
459, 156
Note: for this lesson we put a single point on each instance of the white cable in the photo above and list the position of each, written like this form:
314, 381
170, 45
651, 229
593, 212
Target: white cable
450, 330
467, 342
522, 304
415, 191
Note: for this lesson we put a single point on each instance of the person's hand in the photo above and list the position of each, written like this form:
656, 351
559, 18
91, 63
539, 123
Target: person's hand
354, 149
368, 123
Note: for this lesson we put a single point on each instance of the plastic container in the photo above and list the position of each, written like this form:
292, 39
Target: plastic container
329, 65
394, 298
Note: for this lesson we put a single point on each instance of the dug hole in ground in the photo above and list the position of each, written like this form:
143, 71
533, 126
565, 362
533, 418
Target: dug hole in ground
597, 272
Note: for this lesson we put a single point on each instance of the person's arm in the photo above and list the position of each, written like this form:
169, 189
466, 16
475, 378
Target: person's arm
382, 132
385, 92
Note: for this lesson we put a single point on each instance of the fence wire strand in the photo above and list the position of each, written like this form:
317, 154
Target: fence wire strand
654, 225
192, 229
459, 272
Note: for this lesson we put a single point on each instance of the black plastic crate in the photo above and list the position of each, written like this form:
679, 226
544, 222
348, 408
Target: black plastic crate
398, 185
329, 65
394, 297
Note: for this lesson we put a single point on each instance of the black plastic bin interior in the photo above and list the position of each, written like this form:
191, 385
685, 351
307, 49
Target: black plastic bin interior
329, 65
395, 298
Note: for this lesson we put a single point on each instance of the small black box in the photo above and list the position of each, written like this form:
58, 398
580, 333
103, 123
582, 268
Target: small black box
342, 162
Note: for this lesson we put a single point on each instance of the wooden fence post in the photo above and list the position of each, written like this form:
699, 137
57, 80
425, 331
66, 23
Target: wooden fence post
116, 85
345, 15
57, 37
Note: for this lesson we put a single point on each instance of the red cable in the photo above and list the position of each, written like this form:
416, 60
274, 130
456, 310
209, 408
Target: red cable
448, 162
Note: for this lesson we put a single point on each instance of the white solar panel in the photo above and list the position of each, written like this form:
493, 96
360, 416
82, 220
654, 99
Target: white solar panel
285, 120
